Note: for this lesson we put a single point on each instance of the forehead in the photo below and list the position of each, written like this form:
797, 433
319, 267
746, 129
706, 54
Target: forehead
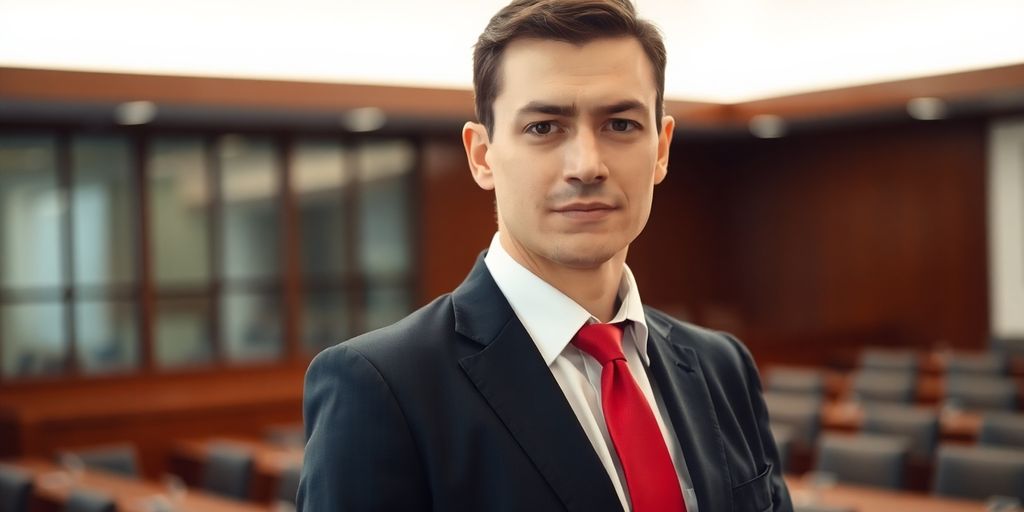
600, 71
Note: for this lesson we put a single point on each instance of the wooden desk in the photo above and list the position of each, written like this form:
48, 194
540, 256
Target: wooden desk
847, 416
868, 499
188, 457
52, 486
40, 419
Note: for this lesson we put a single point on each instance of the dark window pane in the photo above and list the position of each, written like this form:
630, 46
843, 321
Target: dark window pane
325, 320
107, 335
386, 305
31, 207
33, 339
251, 326
182, 333
250, 188
319, 176
103, 211
179, 213
385, 245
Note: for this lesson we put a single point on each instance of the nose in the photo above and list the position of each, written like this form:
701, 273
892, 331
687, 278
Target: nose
583, 161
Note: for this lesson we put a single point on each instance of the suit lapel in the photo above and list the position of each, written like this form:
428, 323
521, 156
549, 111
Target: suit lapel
511, 375
677, 371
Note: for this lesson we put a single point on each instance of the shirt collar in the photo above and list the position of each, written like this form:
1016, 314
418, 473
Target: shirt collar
550, 317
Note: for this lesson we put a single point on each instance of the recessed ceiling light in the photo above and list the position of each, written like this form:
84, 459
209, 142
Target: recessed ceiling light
366, 119
767, 126
131, 113
927, 109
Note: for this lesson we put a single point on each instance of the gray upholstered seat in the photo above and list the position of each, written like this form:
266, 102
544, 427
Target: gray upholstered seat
982, 393
889, 360
986, 363
15, 489
978, 472
823, 508
864, 459
286, 435
889, 386
802, 414
782, 379
1002, 429
228, 471
919, 427
116, 458
85, 500
783, 435
288, 487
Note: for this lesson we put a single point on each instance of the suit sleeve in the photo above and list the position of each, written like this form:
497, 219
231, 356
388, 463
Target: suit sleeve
781, 501
360, 454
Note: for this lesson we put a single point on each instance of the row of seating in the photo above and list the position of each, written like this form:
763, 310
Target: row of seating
972, 472
802, 417
969, 392
16, 493
991, 363
228, 472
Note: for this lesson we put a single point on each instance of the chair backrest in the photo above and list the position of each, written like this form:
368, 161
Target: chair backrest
116, 458
919, 427
888, 386
864, 459
982, 393
986, 363
802, 414
288, 487
783, 435
15, 489
891, 360
979, 472
287, 436
1002, 429
782, 379
228, 471
85, 500
797, 507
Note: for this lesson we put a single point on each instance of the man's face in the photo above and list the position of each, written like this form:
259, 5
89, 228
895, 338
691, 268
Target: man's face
575, 152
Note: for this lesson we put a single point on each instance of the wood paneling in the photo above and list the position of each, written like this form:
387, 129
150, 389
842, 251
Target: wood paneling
456, 219
843, 231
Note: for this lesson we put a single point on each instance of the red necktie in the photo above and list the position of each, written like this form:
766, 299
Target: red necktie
650, 476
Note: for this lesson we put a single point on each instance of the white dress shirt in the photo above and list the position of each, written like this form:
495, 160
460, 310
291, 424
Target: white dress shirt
552, 319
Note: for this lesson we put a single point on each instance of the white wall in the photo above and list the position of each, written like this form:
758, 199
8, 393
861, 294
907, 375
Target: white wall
1006, 227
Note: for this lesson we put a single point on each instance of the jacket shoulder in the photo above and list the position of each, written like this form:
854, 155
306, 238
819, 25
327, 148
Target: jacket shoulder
410, 343
717, 348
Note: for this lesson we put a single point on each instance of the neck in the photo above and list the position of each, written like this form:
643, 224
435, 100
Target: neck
595, 288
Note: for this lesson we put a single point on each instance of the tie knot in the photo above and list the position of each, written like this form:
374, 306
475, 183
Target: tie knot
602, 341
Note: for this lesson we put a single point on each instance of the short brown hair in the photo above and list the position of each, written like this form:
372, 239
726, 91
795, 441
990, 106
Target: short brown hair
571, 21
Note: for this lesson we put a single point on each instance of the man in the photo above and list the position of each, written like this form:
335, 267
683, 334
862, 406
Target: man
541, 383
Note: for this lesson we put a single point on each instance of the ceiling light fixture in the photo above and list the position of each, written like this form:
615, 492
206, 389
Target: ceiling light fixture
767, 126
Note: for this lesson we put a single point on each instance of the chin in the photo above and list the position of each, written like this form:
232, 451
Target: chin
584, 254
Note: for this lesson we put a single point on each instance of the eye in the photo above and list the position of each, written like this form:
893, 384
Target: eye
541, 128
622, 125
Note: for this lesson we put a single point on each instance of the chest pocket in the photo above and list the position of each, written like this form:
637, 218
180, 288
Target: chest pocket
754, 495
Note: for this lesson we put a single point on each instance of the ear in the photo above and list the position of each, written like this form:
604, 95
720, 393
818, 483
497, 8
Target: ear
476, 142
668, 126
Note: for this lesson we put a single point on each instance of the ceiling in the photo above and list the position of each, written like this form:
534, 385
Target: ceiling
722, 51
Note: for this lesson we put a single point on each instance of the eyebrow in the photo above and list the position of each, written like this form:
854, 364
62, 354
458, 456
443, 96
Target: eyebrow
539, 107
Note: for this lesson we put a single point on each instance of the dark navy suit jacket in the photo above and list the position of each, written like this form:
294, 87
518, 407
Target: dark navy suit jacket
453, 409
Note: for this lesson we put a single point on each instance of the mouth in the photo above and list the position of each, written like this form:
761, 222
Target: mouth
593, 210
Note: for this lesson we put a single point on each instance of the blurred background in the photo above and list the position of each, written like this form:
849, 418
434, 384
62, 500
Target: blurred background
197, 197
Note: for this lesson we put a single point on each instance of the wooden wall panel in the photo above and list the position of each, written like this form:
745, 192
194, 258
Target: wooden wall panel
875, 227
456, 217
